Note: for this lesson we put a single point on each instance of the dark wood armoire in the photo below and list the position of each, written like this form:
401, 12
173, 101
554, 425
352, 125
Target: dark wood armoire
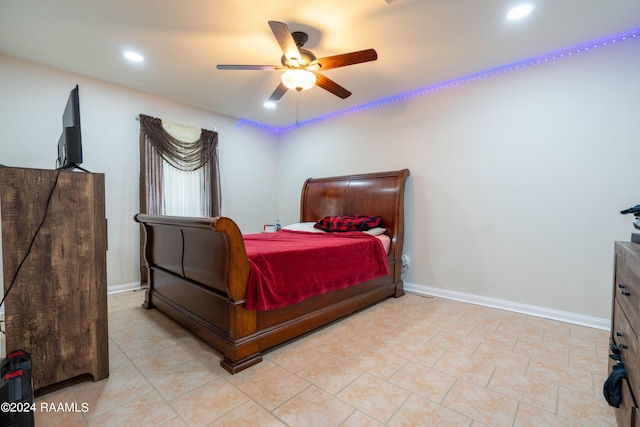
53, 222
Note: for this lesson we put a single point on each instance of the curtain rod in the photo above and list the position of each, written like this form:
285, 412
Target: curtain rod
215, 128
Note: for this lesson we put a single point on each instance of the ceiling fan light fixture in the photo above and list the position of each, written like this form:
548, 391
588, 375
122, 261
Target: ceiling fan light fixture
298, 79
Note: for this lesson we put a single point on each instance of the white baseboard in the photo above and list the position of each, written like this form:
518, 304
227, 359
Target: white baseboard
124, 287
548, 313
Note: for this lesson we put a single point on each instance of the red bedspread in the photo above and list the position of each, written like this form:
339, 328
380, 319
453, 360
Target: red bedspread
289, 266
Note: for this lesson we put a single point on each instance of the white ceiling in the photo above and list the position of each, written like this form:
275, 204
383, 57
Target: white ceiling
419, 43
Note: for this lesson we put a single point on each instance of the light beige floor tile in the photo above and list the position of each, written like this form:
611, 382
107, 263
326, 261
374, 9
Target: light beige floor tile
137, 341
382, 366
112, 391
454, 326
379, 363
418, 351
47, 413
383, 339
199, 348
249, 414
330, 374
602, 348
598, 383
374, 397
504, 341
528, 416
377, 318
597, 335
338, 347
118, 361
548, 325
181, 379
466, 368
424, 381
565, 376
514, 362
556, 355
208, 402
163, 322
419, 330
417, 412
133, 299
584, 345
136, 412
114, 304
480, 320
313, 408
538, 393
504, 316
462, 346
163, 360
486, 406
175, 422
589, 362
274, 387
358, 419
587, 410
295, 356
123, 319
246, 375
518, 326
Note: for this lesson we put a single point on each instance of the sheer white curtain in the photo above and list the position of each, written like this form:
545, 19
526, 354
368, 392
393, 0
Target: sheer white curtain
185, 193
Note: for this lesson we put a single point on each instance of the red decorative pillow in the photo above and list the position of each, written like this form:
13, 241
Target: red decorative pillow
348, 223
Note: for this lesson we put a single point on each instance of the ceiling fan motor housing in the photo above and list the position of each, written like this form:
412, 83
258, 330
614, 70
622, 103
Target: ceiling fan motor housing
306, 56
300, 38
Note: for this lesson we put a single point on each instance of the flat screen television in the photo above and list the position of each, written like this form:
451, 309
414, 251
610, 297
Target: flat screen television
70, 142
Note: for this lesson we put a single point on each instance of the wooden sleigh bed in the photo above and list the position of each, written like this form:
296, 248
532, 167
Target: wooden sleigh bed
198, 269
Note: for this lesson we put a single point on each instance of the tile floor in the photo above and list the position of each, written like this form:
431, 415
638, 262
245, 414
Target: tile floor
412, 361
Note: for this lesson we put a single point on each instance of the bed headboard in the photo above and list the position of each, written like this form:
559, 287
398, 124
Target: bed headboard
380, 194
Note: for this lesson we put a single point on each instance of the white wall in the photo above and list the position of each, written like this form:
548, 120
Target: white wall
515, 188
516, 181
32, 100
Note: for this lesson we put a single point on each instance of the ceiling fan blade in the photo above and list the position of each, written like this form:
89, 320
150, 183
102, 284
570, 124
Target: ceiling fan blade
331, 86
277, 94
285, 40
345, 59
248, 67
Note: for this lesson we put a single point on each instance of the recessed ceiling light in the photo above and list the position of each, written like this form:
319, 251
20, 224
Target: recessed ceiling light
269, 104
519, 11
133, 56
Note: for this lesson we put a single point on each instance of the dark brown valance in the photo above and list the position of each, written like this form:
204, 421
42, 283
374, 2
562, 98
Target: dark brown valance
185, 156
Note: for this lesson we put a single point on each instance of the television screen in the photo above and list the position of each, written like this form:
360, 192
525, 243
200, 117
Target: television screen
70, 141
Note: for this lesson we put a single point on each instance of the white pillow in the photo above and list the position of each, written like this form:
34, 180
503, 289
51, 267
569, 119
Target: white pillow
376, 231
302, 226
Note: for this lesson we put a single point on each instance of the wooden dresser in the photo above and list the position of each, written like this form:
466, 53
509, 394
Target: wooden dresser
625, 328
57, 308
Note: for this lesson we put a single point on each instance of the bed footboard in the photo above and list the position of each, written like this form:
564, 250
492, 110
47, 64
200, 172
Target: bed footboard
198, 271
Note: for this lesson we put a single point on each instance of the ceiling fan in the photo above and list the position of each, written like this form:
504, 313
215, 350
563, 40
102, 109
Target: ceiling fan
301, 66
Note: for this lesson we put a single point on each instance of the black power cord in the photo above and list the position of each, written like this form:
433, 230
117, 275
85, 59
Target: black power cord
33, 239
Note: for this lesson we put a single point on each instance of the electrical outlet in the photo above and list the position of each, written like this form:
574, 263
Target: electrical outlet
405, 262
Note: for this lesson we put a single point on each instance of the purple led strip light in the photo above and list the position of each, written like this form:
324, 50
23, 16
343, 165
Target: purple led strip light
587, 47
